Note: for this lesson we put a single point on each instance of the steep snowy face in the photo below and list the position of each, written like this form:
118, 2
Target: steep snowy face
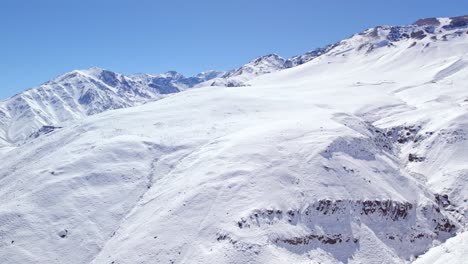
68, 97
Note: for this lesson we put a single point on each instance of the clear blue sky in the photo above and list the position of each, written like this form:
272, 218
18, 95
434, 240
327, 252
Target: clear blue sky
41, 39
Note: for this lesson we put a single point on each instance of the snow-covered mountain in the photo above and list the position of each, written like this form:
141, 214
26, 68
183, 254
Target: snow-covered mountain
81, 93
173, 82
238, 77
260, 66
355, 153
68, 97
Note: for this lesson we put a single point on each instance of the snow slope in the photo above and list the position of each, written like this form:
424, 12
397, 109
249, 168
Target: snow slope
454, 250
358, 156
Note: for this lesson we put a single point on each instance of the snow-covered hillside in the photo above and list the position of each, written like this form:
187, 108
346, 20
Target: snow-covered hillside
357, 155
454, 250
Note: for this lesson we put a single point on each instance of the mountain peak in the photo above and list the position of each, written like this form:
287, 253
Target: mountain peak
269, 57
427, 22
171, 74
451, 22
210, 74
93, 71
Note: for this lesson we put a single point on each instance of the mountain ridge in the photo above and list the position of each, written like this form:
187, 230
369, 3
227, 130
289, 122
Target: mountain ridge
358, 156
109, 90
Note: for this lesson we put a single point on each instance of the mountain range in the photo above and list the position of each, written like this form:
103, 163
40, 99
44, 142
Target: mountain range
351, 153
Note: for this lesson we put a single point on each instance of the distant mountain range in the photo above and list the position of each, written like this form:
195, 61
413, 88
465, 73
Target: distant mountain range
81, 93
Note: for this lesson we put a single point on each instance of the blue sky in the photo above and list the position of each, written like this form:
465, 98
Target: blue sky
43, 39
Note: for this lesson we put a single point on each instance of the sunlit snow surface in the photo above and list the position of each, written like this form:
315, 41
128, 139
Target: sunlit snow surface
284, 170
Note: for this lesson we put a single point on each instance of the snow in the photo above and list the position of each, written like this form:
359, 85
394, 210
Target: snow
80, 93
306, 165
454, 250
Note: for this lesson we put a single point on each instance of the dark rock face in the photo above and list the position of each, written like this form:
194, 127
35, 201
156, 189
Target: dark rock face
457, 22
404, 134
333, 219
43, 131
239, 245
430, 29
415, 158
396, 34
109, 78
442, 200
387, 209
427, 21
446, 226
418, 34
324, 239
